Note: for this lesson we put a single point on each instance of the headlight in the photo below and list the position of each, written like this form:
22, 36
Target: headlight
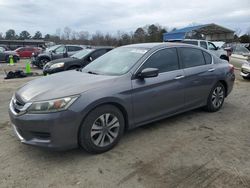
54, 105
57, 65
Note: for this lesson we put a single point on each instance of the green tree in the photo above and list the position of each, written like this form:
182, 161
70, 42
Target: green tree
139, 35
24, 35
10, 34
38, 35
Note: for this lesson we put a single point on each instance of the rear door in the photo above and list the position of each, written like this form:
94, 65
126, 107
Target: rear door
199, 75
161, 95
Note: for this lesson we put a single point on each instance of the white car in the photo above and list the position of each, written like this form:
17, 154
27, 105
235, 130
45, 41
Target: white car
245, 70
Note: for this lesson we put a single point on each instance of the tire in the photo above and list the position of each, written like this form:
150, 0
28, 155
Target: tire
216, 98
42, 62
97, 136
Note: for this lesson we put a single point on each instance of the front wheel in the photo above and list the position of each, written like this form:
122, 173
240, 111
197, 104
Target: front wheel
216, 98
102, 129
42, 62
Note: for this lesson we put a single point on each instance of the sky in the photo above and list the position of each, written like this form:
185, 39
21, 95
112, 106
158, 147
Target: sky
109, 16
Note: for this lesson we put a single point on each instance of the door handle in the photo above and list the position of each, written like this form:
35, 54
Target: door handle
179, 77
211, 70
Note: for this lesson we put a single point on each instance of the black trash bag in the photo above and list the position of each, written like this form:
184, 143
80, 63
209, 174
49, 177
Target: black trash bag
15, 74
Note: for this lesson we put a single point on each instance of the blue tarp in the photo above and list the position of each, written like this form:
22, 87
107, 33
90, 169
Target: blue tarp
180, 34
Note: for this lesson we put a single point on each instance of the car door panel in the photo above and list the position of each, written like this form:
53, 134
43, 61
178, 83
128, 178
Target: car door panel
159, 96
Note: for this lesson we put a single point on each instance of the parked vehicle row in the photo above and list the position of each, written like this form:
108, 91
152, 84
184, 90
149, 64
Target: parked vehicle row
125, 88
26, 52
78, 60
4, 55
55, 52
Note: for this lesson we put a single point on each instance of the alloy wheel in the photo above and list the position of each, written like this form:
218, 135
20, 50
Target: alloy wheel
217, 96
105, 130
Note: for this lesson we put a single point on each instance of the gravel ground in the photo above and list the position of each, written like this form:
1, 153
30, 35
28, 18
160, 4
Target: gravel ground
194, 149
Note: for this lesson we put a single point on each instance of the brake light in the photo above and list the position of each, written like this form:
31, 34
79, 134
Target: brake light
231, 68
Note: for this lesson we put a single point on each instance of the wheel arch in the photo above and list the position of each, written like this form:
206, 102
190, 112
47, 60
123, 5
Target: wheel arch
224, 83
117, 104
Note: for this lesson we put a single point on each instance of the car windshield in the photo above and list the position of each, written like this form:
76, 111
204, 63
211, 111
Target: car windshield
81, 54
116, 62
52, 48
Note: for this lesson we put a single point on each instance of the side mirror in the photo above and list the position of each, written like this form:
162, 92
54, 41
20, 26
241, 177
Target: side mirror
148, 73
53, 51
90, 59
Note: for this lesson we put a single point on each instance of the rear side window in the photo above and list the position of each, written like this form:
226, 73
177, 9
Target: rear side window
165, 60
74, 48
193, 42
208, 57
191, 57
203, 44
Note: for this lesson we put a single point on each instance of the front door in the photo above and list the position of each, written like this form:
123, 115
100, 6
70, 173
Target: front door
162, 95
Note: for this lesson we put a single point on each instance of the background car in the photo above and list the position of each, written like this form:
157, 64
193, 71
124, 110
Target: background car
78, 60
26, 52
123, 89
55, 52
4, 55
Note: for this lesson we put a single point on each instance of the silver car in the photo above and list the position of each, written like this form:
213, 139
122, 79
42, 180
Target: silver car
127, 87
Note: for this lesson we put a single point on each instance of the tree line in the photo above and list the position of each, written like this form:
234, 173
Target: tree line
148, 33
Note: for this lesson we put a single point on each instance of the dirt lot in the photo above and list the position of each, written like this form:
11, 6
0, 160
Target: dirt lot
194, 149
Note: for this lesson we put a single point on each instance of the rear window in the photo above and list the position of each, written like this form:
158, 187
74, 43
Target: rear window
193, 42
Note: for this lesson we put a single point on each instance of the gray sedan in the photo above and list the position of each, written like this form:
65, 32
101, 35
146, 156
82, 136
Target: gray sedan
127, 87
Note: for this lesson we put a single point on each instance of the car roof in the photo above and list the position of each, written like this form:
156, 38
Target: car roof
157, 45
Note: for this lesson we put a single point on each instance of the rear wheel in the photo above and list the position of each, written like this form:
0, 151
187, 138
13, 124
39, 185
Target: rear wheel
102, 129
216, 98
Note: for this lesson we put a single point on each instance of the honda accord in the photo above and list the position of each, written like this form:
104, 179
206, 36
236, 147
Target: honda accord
125, 88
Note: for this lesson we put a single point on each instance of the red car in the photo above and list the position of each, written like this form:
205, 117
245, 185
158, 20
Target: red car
27, 51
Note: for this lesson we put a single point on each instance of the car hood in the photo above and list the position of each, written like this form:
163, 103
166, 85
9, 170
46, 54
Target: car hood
65, 60
62, 84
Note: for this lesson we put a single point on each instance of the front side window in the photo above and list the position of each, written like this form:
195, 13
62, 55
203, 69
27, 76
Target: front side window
191, 57
211, 46
60, 50
164, 60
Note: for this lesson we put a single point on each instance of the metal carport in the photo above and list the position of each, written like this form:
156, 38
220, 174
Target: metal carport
210, 32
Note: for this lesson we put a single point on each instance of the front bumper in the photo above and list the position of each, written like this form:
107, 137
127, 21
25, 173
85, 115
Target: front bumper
57, 131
